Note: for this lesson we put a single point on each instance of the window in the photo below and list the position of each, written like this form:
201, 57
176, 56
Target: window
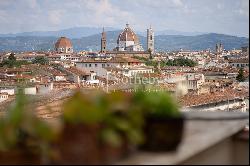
89, 65
103, 65
151, 37
86, 65
95, 65
238, 65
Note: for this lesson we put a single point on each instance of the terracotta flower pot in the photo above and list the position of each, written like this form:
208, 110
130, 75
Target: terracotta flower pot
19, 156
78, 144
111, 154
81, 144
162, 134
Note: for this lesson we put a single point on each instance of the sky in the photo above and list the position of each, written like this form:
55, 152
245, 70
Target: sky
218, 16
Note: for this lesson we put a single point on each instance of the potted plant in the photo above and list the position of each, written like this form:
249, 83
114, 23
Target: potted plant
163, 126
122, 128
24, 139
97, 129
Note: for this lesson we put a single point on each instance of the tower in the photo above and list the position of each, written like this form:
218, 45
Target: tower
150, 40
219, 48
103, 42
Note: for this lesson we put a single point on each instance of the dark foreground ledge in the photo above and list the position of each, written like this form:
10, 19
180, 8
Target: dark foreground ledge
209, 138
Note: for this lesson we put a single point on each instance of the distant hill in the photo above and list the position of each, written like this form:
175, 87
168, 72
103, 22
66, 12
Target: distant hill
76, 32
92, 42
199, 42
173, 32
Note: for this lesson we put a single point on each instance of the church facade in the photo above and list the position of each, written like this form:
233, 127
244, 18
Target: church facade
128, 43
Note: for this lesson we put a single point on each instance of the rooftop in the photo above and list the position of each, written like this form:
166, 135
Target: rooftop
228, 94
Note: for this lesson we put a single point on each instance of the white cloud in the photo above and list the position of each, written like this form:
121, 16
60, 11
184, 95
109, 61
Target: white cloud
55, 17
244, 8
178, 3
103, 12
32, 3
220, 6
185, 15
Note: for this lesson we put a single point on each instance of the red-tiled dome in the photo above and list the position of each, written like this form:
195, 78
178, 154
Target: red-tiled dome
63, 42
128, 35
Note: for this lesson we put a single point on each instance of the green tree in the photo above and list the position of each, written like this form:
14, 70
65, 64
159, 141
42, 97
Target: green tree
240, 77
41, 60
12, 62
12, 57
181, 62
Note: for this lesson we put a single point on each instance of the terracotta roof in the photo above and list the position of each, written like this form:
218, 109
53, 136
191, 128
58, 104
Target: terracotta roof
4, 93
4, 69
196, 100
128, 35
124, 60
77, 71
113, 68
241, 60
23, 76
113, 60
63, 42
168, 86
92, 61
151, 75
132, 60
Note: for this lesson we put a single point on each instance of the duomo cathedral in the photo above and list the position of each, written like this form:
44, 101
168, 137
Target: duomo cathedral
129, 42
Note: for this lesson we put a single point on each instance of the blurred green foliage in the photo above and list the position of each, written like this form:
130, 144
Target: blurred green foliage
157, 104
112, 111
21, 128
121, 114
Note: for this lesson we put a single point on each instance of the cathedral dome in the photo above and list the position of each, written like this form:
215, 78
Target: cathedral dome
63, 42
128, 35
63, 45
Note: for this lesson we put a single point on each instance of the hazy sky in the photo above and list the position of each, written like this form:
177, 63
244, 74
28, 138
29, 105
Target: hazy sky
220, 16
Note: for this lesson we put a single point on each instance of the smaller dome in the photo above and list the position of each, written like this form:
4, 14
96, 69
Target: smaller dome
63, 42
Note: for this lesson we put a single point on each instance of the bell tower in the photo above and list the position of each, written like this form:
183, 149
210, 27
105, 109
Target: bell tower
150, 40
103, 42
